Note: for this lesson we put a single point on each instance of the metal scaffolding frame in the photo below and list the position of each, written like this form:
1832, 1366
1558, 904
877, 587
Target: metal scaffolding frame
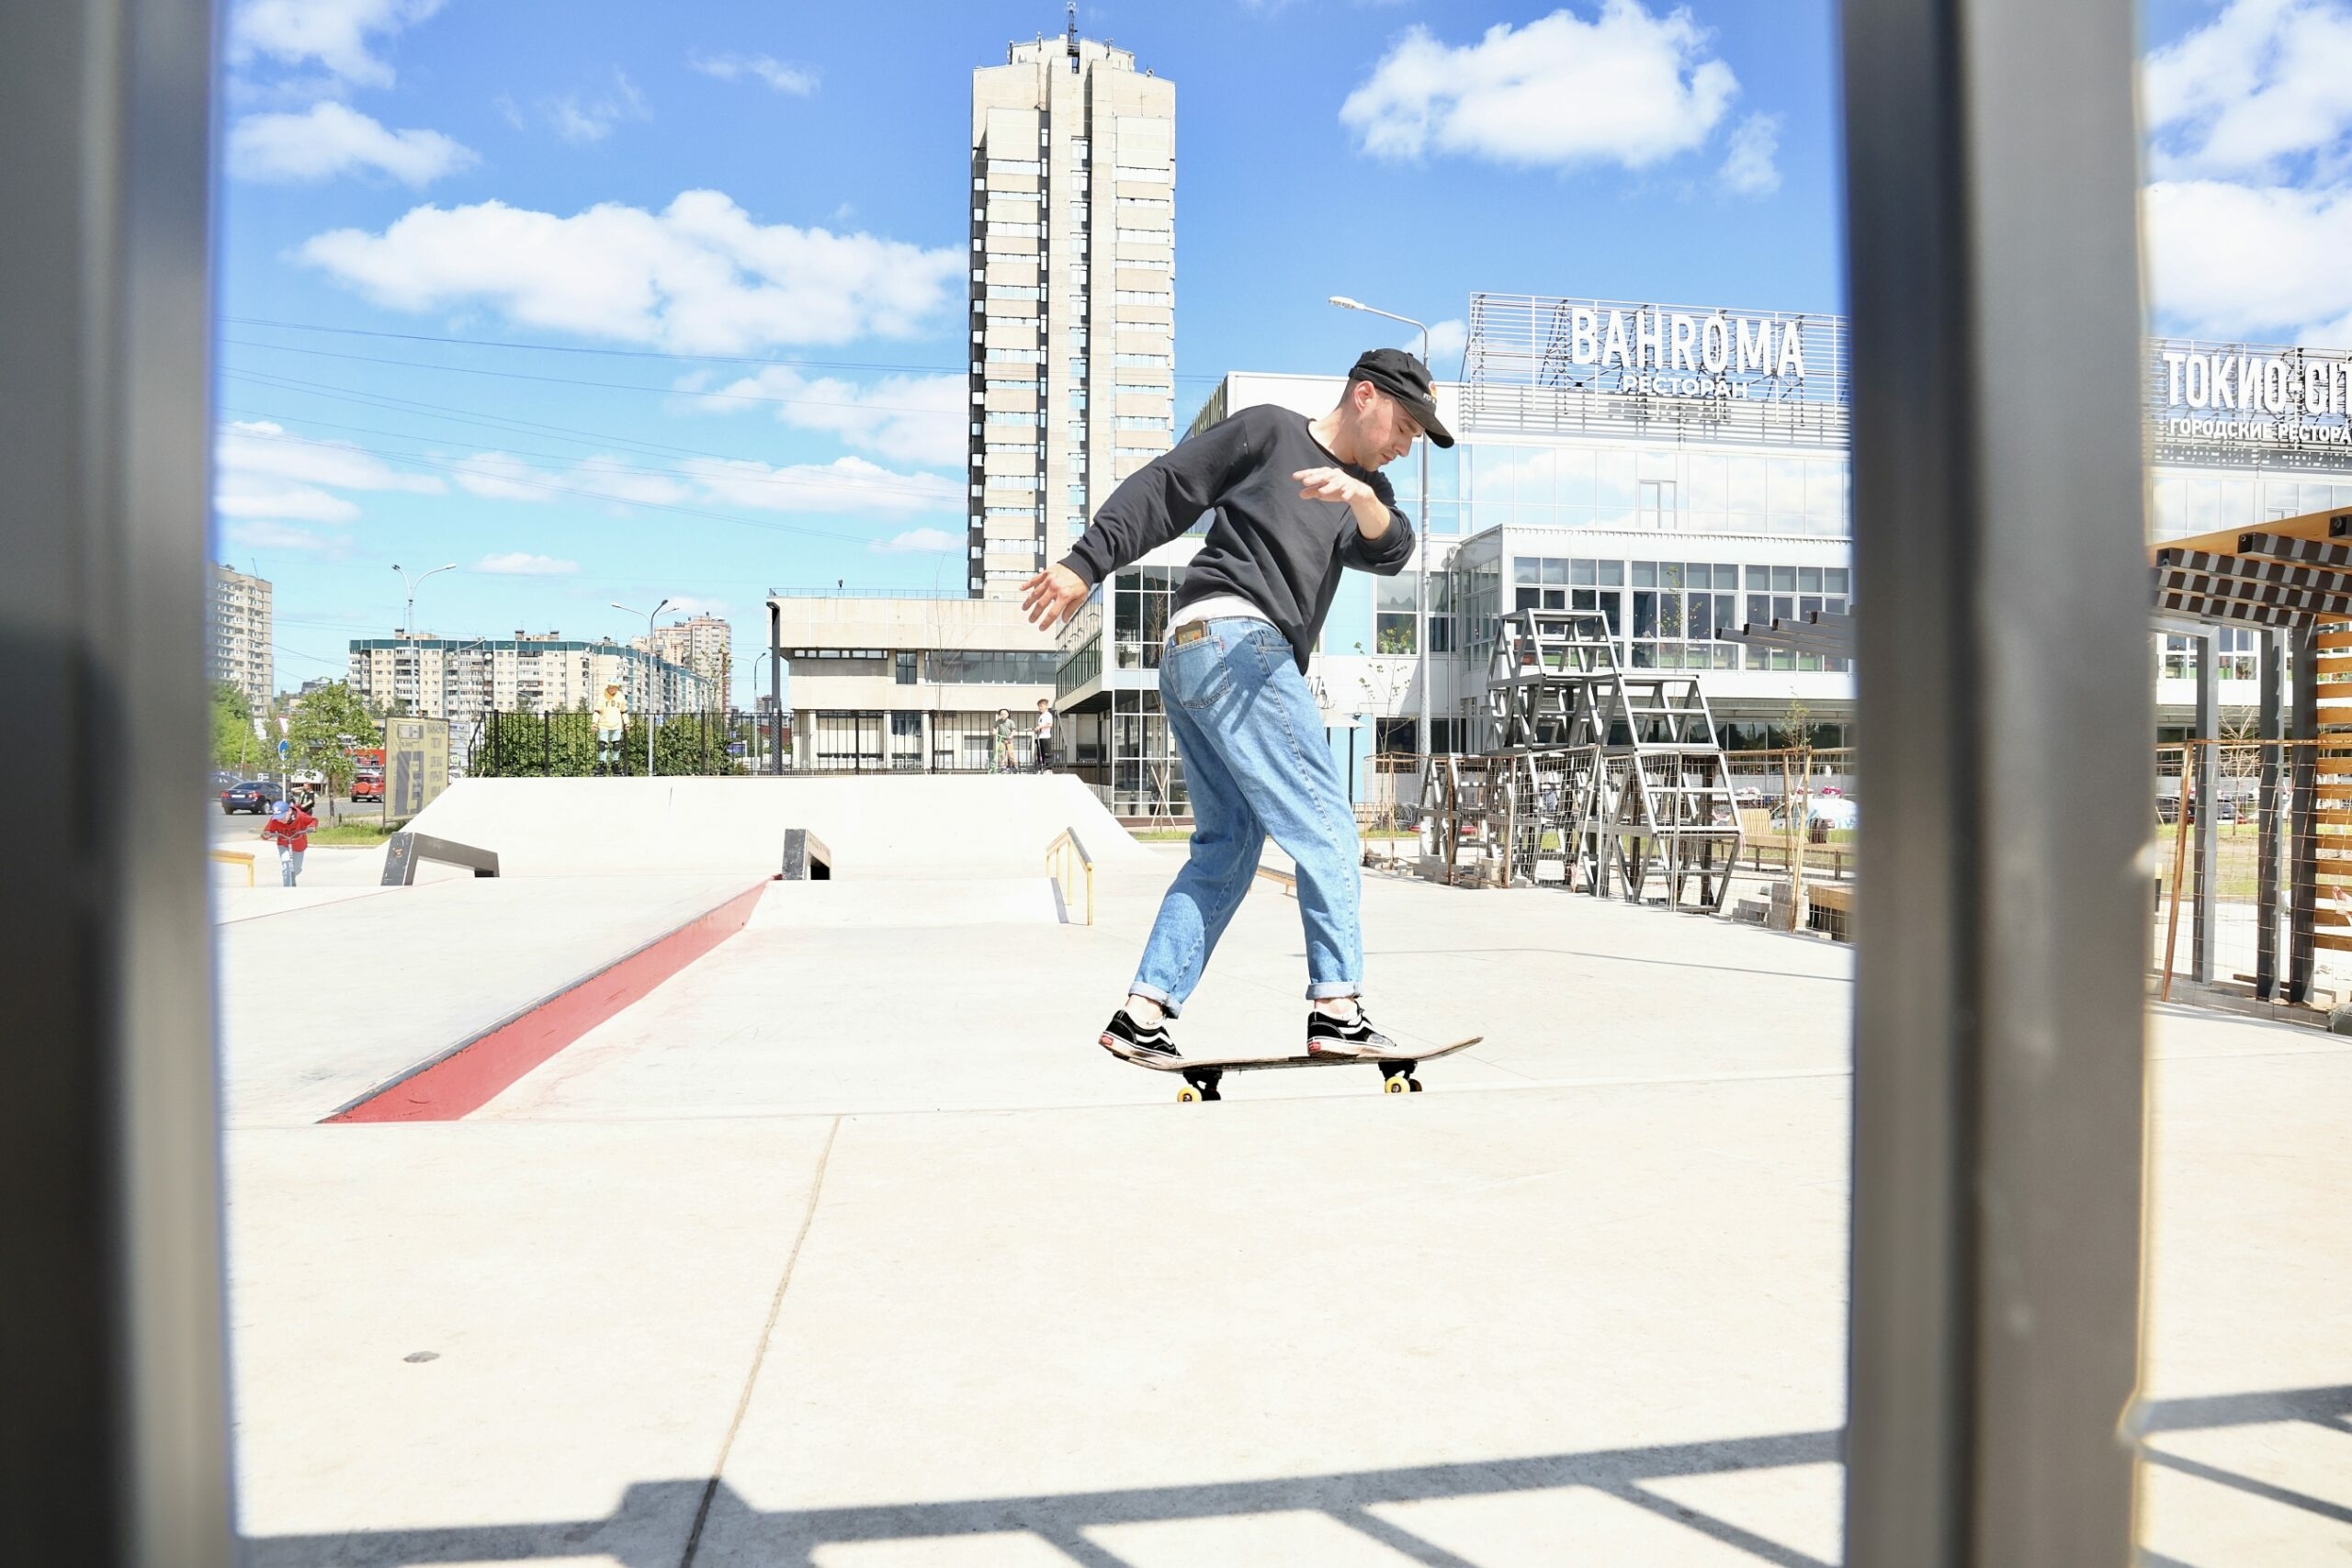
1600, 779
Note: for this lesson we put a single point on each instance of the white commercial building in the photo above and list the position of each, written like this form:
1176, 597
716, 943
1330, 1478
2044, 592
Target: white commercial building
909, 684
1679, 471
243, 635
1073, 291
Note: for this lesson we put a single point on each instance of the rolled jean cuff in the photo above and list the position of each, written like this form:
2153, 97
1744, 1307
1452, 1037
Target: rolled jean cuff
1324, 990
1168, 1004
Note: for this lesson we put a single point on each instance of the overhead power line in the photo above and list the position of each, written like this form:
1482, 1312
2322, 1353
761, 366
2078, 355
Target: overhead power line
623, 500
946, 367
956, 414
782, 478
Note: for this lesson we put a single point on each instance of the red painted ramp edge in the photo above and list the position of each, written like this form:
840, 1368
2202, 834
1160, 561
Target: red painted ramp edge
475, 1071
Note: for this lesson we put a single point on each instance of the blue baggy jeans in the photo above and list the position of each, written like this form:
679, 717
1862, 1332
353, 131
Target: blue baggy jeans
1256, 764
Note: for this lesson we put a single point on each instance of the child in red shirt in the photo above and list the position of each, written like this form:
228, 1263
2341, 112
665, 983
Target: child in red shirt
289, 825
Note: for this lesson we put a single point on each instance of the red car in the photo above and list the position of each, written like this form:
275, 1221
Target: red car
367, 787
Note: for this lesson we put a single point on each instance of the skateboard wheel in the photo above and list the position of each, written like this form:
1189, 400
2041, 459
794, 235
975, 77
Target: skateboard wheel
1397, 1084
1413, 1084
1187, 1094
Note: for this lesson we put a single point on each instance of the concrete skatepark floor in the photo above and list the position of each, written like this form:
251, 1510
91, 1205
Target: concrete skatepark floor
848, 1246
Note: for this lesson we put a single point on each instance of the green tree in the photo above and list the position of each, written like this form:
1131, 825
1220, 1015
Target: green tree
324, 726
685, 743
234, 745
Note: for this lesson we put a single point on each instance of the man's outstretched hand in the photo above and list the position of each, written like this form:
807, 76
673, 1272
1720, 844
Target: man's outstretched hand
1336, 484
1052, 597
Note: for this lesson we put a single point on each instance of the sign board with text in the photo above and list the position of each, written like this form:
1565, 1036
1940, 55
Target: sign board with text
416, 764
2247, 404
1563, 367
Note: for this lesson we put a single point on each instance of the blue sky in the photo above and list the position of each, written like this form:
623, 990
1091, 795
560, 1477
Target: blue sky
606, 301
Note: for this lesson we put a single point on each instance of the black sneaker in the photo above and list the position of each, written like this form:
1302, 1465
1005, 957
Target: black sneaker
1328, 1036
1123, 1036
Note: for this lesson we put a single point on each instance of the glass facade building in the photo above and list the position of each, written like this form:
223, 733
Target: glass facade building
1683, 471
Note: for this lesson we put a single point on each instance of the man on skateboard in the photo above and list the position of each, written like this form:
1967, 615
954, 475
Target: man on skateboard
1298, 501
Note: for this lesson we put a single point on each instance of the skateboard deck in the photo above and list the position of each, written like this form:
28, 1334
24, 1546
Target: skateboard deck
1202, 1073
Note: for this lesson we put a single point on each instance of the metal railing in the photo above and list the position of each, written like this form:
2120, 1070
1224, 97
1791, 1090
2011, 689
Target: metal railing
237, 857
1058, 859
564, 745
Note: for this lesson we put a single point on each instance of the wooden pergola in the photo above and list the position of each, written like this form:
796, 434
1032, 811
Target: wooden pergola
2290, 581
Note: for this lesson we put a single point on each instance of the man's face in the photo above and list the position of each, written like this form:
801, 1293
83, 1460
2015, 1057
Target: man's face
1384, 431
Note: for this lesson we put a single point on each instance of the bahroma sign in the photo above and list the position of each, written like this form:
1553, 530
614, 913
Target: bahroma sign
1552, 362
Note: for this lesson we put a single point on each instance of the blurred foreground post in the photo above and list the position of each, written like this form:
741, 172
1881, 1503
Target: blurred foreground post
114, 1432
1993, 177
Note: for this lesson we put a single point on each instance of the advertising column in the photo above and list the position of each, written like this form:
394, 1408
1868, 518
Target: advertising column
416, 765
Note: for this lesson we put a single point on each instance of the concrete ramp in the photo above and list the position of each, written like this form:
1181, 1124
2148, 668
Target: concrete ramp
907, 903
914, 825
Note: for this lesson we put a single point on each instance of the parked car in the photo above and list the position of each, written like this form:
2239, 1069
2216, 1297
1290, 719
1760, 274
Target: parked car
256, 796
366, 787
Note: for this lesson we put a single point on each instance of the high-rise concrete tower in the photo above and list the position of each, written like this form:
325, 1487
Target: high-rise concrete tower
1073, 294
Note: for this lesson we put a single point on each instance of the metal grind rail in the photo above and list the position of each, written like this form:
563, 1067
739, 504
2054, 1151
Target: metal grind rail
1058, 855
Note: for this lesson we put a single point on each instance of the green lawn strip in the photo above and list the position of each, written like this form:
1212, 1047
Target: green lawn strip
366, 835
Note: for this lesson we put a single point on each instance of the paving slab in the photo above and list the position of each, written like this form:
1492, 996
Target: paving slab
918, 1001
491, 1335
330, 996
1584, 1301
1113, 1315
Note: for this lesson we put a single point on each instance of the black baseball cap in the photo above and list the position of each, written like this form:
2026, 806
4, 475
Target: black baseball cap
1406, 380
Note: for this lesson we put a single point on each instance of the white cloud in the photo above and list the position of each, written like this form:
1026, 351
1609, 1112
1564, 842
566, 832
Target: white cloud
250, 496
908, 419
260, 449
2234, 260
1627, 87
330, 138
581, 120
519, 563
700, 275
1748, 167
2266, 84
500, 476
277, 536
1447, 340
784, 78
261, 471
922, 541
335, 33
845, 484
2250, 133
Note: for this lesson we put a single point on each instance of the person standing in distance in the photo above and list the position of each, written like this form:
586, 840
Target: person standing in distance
1298, 499
1041, 750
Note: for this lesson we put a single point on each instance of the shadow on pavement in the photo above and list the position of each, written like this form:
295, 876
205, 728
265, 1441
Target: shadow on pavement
664, 1524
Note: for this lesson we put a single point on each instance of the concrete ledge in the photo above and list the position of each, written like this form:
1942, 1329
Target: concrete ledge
806, 858
475, 1071
407, 851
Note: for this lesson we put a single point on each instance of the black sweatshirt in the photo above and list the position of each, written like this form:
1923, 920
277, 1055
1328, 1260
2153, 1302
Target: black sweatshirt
1279, 552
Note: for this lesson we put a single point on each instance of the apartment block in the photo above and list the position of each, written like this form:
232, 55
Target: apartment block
704, 644
243, 635
1073, 293
542, 673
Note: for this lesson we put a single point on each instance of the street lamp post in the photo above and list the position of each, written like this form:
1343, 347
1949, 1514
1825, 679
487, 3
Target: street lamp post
649, 678
408, 618
1421, 550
